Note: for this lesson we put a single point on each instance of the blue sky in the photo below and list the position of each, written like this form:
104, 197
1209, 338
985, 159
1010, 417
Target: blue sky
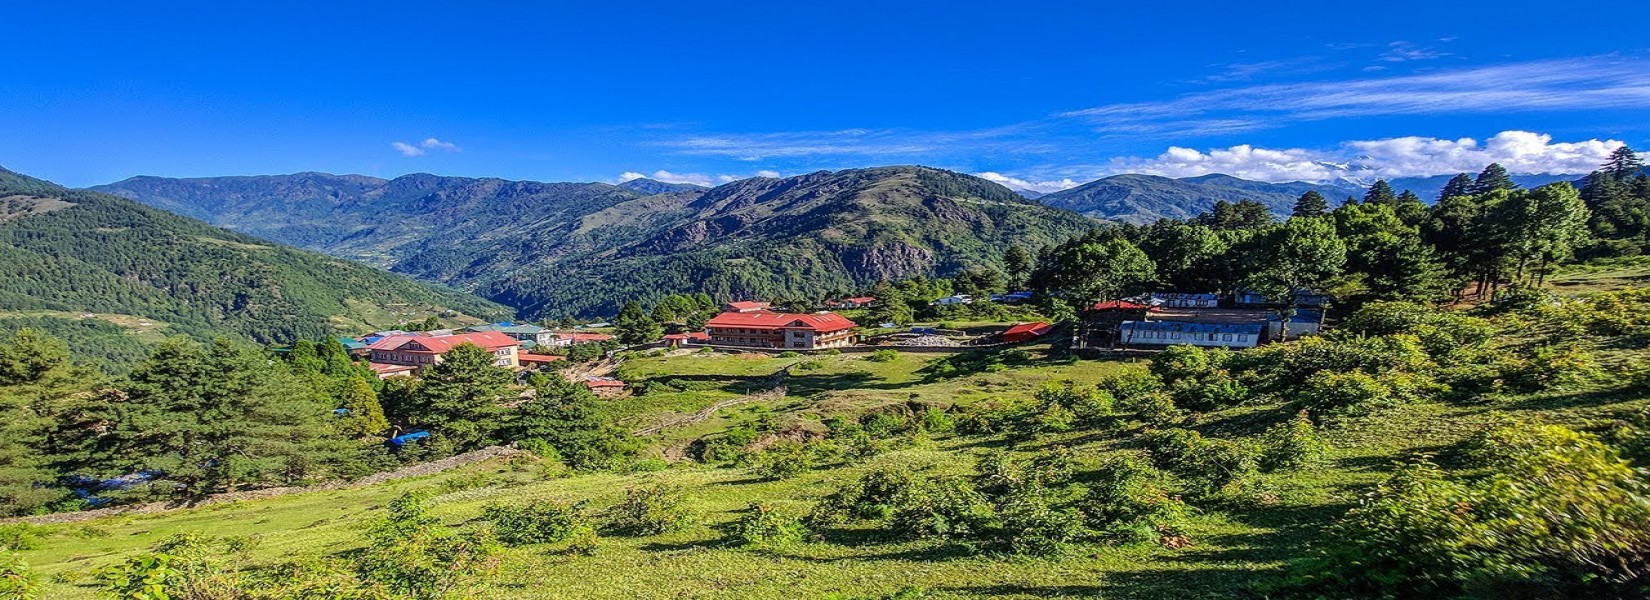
1035, 94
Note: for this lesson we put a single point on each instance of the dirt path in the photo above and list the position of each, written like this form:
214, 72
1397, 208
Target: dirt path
418, 470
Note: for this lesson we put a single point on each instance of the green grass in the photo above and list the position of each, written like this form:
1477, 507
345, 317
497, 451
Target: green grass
1232, 546
1603, 274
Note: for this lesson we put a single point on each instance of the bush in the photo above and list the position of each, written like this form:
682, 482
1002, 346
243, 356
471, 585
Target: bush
1348, 394
17, 580
1034, 520
1130, 386
783, 460
1127, 502
789, 354
1553, 367
873, 497
541, 522
935, 420
412, 554
1220, 467
1157, 408
648, 465
1292, 444
1556, 514
19, 536
883, 355
1085, 404
649, 510
762, 525
1172, 448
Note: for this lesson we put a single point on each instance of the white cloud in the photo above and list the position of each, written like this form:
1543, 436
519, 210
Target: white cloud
1021, 184
854, 142
407, 149
424, 147
1402, 51
1575, 84
703, 179
435, 144
1413, 156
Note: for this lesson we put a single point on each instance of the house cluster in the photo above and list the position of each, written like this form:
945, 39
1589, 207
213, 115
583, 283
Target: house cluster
402, 353
1158, 320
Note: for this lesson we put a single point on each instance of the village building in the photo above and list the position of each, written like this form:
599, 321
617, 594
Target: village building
676, 340
766, 329
1169, 333
858, 302
1012, 297
1175, 300
1026, 332
1250, 299
422, 350
530, 336
1304, 322
746, 307
539, 360
951, 300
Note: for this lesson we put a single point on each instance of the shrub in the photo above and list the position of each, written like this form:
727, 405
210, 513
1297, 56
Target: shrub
649, 510
762, 525
945, 507
1557, 514
832, 352
1551, 367
412, 554
1157, 408
783, 460
19, 536
883, 355
1129, 387
1292, 444
1348, 394
1172, 448
541, 522
1034, 520
1001, 474
1085, 404
873, 497
1220, 467
1126, 501
17, 580
789, 354
812, 364
935, 420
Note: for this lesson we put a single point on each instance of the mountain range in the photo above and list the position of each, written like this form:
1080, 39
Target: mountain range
74, 252
582, 249
565, 249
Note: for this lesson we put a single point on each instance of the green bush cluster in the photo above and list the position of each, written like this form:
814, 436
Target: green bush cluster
649, 510
539, 522
762, 524
1552, 513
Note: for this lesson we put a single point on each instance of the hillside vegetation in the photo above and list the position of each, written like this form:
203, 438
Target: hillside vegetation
566, 249
79, 251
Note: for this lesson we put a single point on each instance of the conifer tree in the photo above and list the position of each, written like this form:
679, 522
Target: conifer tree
634, 326
1493, 177
1311, 204
1380, 193
365, 416
1623, 163
1459, 185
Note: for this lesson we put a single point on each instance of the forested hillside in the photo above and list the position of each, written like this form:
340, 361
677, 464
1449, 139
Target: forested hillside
78, 251
562, 249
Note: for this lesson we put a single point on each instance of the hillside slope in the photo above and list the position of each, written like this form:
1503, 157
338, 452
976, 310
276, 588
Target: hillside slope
1146, 198
563, 249
82, 251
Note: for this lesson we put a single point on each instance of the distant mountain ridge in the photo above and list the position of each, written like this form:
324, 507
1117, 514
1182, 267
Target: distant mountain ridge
651, 186
564, 249
83, 251
1132, 198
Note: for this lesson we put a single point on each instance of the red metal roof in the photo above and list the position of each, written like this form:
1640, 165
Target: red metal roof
691, 335
440, 344
603, 382
384, 369
1119, 305
747, 305
540, 358
1036, 328
820, 322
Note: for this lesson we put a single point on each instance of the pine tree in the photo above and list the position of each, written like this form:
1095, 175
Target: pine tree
1018, 263
1311, 204
365, 416
1459, 185
634, 326
1493, 177
1380, 193
460, 397
1623, 163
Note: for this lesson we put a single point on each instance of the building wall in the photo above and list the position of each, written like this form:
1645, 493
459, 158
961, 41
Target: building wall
1144, 337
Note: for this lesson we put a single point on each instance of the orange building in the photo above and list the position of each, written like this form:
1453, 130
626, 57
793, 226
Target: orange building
764, 329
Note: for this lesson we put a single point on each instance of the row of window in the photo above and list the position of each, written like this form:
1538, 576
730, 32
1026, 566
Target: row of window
1176, 335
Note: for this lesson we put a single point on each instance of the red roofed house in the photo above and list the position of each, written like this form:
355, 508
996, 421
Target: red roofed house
746, 307
1120, 305
860, 302
681, 339
1026, 332
764, 329
564, 339
604, 384
419, 350
539, 359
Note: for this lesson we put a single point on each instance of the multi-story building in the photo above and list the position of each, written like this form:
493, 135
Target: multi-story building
1170, 333
423, 350
764, 329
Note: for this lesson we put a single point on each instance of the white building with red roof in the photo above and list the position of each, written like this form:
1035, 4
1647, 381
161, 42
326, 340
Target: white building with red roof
422, 350
767, 329
746, 307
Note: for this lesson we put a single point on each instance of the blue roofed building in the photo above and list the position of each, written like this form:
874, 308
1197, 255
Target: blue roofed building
1169, 333
1304, 322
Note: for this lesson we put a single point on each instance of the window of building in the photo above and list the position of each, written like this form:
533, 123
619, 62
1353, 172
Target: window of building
1228, 337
